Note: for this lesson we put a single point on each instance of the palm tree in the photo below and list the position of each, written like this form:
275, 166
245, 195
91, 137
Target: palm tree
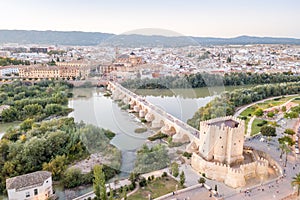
281, 146
296, 182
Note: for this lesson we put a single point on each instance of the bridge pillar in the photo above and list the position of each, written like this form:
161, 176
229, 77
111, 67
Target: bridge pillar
126, 100
149, 117
156, 123
142, 113
136, 108
180, 137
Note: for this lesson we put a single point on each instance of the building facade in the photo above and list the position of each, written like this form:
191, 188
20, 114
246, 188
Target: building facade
219, 153
222, 140
8, 70
33, 186
44, 72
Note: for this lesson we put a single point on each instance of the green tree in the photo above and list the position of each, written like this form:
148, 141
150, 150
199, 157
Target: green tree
111, 193
259, 112
289, 131
26, 125
32, 110
270, 114
57, 167
296, 182
72, 178
125, 193
201, 181
175, 169
182, 178
99, 183
51, 109
9, 115
268, 131
283, 108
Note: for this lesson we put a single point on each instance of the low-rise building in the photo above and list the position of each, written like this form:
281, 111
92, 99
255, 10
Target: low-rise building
33, 186
43, 72
8, 70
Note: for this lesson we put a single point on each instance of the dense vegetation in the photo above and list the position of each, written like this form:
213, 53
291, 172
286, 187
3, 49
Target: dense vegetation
53, 146
11, 61
228, 101
151, 159
208, 80
38, 101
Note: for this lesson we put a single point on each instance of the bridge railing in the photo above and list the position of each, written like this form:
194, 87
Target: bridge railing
158, 110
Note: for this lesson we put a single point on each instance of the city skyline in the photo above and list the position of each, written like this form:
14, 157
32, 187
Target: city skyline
192, 18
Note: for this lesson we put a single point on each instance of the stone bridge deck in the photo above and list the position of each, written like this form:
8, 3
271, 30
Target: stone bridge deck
159, 118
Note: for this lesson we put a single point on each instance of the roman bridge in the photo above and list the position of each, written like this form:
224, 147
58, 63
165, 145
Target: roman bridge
168, 124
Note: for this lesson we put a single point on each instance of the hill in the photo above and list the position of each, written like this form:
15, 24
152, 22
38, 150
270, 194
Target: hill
133, 40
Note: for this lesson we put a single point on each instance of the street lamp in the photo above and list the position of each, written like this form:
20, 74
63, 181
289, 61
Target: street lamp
176, 188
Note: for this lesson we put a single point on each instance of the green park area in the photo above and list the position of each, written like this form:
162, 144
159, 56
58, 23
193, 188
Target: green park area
296, 100
158, 187
256, 126
253, 111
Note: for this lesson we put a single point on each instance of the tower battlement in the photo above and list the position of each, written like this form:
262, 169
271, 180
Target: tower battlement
222, 139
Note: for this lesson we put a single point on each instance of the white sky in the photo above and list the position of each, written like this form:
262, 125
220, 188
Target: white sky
216, 18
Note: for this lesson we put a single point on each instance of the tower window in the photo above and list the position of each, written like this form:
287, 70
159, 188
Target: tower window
27, 194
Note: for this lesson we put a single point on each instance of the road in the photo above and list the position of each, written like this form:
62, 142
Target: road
242, 108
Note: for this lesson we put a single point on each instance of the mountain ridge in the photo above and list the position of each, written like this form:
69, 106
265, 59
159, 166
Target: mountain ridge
80, 38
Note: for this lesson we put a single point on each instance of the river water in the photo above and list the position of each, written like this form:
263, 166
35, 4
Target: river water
92, 107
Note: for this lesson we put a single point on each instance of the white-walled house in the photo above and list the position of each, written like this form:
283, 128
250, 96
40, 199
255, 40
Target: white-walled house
32, 186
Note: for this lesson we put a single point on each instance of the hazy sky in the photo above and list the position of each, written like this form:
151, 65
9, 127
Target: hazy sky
217, 18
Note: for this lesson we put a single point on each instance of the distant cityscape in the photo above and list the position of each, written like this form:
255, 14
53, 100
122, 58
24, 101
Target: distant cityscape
242, 143
119, 63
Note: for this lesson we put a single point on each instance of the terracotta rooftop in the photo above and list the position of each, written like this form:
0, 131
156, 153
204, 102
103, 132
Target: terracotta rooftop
26, 180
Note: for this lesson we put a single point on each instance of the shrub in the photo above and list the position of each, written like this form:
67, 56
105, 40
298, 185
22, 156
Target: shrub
157, 136
143, 182
132, 186
188, 155
243, 117
140, 130
143, 120
175, 169
264, 122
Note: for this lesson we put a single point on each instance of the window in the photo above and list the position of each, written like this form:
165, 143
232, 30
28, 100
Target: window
220, 137
35, 191
27, 194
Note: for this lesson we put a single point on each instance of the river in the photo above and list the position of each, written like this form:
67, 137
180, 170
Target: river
92, 107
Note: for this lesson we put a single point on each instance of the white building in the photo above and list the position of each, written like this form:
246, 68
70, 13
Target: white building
8, 70
33, 186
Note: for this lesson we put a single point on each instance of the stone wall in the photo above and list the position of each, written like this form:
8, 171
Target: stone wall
233, 177
220, 142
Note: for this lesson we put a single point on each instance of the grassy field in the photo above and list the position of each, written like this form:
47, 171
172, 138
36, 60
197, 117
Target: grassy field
249, 111
255, 129
296, 100
156, 188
